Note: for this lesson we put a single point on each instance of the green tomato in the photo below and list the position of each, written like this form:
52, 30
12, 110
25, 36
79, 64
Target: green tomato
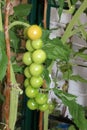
31, 104
29, 45
37, 44
36, 69
26, 82
36, 82
41, 98
51, 107
39, 56
27, 60
27, 73
31, 92
43, 107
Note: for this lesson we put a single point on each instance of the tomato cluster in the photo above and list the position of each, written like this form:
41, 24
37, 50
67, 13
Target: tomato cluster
34, 58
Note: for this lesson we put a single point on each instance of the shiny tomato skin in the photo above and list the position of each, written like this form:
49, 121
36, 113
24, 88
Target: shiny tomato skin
27, 72
31, 92
26, 82
34, 32
37, 44
31, 104
29, 45
43, 107
36, 82
36, 69
41, 98
39, 56
27, 60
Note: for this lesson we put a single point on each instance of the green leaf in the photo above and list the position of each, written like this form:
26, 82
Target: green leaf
3, 57
17, 68
76, 110
45, 35
73, 2
14, 40
82, 55
1, 98
56, 50
78, 78
3, 64
22, 10
60, 9
46, 77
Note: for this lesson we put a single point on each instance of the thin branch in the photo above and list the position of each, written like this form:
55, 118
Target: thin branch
7, 39
6, 105
45, 14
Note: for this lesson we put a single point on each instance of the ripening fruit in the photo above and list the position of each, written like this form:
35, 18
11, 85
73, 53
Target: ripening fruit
34, 32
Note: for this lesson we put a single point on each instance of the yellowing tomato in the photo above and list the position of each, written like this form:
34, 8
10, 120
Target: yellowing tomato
34, 32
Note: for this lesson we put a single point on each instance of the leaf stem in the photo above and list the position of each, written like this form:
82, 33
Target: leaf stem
73, 21
18, 23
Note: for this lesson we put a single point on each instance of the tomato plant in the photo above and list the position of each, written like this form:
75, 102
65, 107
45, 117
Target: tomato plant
36, 82
34, 32
36, 69
27, 73
43, 107
39, 56
29, 45
27, 60
41, 98
26, 82
31, 92
37, 44
31, 104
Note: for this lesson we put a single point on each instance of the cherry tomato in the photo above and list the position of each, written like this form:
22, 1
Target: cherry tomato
27, 60
36, 82
39, 56
29, 45
27, 73
36, 69
34, 32
37, 44
43, 107
31, 104
41, 98
26, 82
31, 92
51, 107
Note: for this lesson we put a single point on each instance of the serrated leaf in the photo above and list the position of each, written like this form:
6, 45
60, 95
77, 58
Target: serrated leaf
56, 50
22, 10
76, 110
78, 78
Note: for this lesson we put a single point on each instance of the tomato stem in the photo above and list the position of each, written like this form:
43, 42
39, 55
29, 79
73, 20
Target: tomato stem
68, 31
18, 23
